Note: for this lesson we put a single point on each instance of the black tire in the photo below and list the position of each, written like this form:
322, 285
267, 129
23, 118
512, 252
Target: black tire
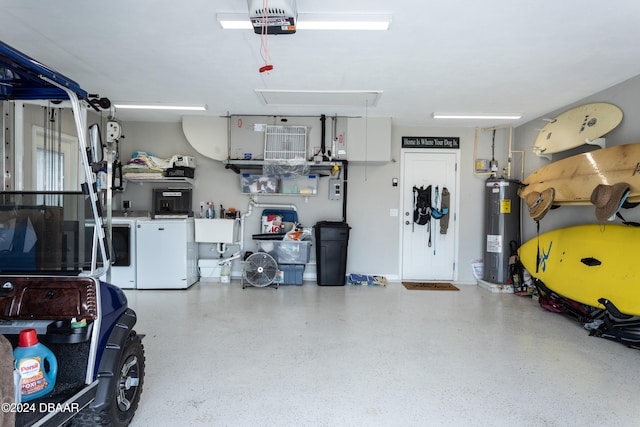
126, 390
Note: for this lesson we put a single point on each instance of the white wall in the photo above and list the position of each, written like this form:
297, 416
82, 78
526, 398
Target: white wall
471, 198
375, 240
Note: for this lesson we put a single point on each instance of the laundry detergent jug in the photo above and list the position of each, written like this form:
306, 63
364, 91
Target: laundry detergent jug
36, 364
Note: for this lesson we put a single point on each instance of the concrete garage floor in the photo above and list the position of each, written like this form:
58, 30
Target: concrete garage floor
218, 355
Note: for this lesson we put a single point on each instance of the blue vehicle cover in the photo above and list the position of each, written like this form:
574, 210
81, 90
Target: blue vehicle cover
23, 78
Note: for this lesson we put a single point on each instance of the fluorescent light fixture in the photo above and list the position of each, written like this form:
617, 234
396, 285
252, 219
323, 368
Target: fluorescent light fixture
161, 107
492, 116
348, 21
314, 21
234, 21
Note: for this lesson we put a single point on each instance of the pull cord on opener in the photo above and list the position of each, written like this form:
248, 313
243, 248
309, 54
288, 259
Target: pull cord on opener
264, 40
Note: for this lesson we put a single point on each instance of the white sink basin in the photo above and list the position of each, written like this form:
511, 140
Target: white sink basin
216, 230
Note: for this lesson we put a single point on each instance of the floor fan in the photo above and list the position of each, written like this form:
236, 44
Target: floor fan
260, 270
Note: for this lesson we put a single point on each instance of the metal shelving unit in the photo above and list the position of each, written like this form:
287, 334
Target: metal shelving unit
240, 165
253, 165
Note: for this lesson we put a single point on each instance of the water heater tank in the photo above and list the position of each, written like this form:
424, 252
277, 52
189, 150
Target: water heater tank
273, 17
502, 227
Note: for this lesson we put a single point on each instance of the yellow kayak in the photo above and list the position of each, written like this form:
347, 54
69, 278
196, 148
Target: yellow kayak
588, 262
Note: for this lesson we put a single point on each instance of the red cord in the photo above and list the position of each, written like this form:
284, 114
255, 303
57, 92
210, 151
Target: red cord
264, 38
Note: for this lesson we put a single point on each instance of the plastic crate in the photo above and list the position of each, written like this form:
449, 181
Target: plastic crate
291, 274
299, 184
286, 251
251, 183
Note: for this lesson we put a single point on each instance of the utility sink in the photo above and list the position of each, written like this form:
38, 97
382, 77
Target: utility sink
216, 230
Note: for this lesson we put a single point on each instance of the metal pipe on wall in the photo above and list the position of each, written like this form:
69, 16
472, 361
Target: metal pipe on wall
250, 206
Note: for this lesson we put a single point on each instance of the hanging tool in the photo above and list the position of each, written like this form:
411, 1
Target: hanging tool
444, 221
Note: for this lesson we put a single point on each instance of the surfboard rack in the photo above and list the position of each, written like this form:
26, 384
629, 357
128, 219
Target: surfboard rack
539, 151
600, 142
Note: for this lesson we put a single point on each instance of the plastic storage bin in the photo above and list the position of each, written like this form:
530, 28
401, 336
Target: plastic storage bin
299, 184
331, 252
292, 273
251, 183
286, 251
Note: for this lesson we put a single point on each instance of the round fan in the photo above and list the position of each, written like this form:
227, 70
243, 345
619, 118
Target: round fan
260, 269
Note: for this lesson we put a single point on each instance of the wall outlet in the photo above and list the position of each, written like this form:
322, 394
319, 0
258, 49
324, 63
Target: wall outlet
335, 189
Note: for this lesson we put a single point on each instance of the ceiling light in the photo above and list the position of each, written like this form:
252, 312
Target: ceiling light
234, 21
313, 21
492, 116
161, 107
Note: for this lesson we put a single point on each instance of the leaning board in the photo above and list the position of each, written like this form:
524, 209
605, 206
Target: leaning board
575, 127
588, 262
575, 177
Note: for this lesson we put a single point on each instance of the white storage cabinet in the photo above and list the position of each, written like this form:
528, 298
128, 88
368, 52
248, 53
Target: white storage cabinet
369, 140
166, 254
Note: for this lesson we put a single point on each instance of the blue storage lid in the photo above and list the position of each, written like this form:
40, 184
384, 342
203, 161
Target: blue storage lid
287, 215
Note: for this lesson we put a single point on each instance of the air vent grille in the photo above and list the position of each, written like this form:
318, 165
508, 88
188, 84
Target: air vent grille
269, 12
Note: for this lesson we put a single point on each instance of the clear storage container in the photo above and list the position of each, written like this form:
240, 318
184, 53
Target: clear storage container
299, 184
286, 251
253, 183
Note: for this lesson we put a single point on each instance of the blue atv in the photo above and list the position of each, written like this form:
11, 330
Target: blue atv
54, 269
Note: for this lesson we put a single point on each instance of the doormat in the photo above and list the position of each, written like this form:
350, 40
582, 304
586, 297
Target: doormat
429, 286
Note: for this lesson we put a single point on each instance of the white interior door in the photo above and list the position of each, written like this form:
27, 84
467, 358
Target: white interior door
429, 253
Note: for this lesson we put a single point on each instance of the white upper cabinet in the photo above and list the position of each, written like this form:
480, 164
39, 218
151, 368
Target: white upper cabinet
368, 139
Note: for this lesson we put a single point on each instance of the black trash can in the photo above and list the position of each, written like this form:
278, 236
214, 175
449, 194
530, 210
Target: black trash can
332, 238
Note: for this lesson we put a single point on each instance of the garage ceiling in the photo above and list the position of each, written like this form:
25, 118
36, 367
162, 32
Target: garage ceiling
495, 56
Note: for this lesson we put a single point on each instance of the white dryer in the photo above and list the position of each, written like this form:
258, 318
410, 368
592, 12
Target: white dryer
124, 261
